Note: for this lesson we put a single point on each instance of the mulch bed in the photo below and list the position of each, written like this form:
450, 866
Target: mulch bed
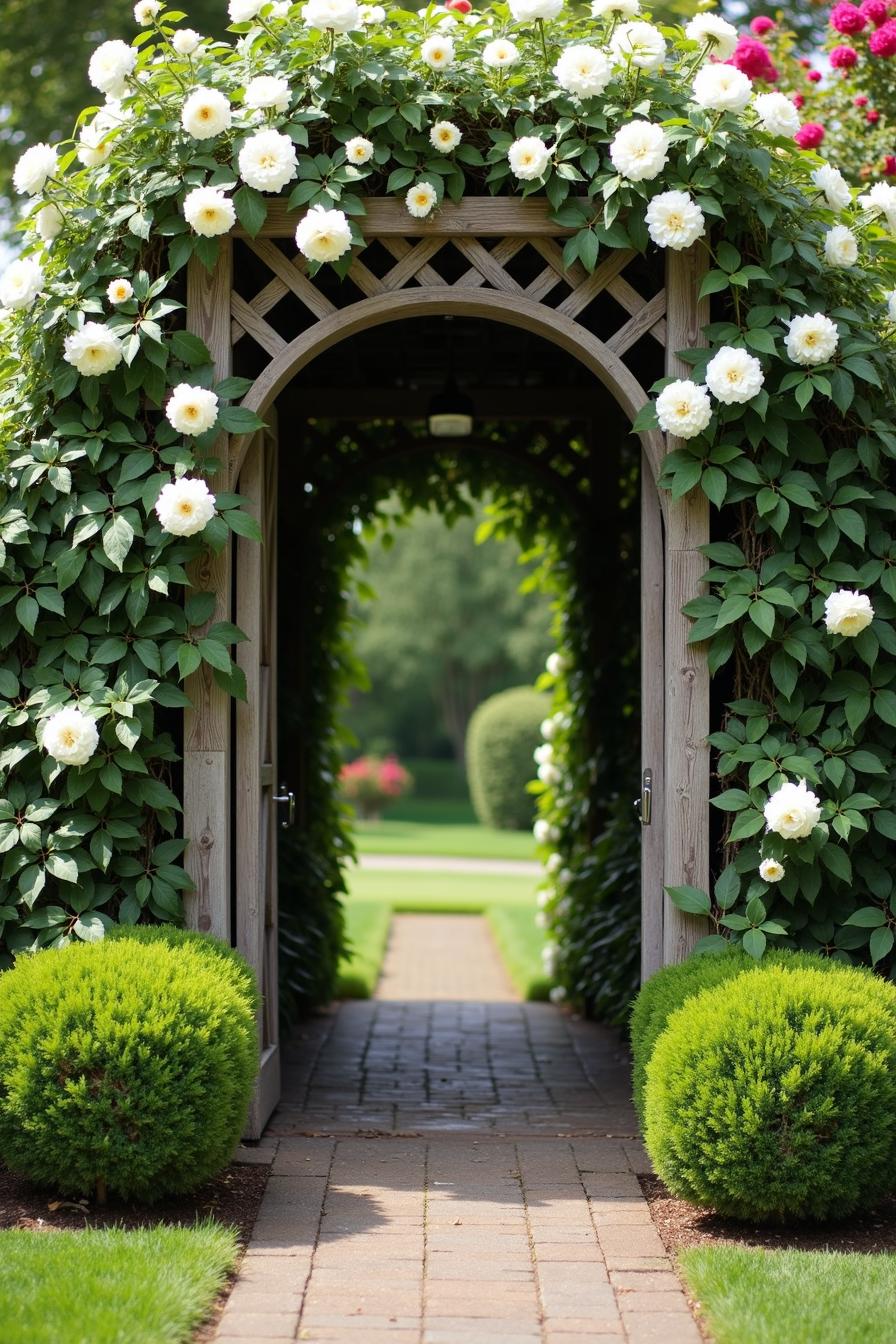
681, 1226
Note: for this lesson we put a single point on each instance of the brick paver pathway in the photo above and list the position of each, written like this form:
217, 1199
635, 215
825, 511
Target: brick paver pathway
454, 1172
434, 957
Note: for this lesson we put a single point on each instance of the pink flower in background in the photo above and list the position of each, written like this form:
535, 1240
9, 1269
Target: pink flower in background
371, 782
890, 165
815, 75
842, 58
763, 24
860, 100
875, 11
847, 18
810, 136
883, 42
872, 115
798, 100
752, 57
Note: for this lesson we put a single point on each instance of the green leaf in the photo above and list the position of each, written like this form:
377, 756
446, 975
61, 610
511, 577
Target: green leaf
880, 943
753, 943
188, 659
189, 349
251, 209
727, 888
869, 917
690, 899
65, 870
239, 420
118, 537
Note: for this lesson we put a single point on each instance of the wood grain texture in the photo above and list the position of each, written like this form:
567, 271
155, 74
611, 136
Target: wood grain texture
652, 723
482, 216
686, 671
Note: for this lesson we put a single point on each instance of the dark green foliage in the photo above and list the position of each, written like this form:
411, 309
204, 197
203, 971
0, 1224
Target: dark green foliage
501, 738
226, 959
125, 1063
772, 1097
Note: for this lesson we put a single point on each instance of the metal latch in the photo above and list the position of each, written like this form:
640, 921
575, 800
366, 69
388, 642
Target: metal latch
643, 805
288, 797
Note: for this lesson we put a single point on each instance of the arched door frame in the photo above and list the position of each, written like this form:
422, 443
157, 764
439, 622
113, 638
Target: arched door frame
675, 702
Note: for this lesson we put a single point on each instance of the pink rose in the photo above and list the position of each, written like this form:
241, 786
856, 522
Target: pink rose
872, 115
860, 100
798, 100
810, 136
847, 18
763, 24
752, 57
883, 42
875, 11
814, 76
890, 165
844, 58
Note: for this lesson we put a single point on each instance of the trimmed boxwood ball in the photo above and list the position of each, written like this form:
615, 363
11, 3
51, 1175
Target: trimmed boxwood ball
501, 738
773, 1096
227, 959
125, 1065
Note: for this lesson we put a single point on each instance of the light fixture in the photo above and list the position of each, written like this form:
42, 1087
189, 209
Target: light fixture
450, 413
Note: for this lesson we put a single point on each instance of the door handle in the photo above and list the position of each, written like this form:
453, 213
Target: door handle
644, 804
288, 797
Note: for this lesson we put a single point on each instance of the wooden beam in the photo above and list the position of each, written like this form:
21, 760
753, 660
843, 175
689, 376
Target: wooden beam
384, 403
476, 216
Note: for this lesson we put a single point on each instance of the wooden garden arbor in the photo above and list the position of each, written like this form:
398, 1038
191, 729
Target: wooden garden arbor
229, 750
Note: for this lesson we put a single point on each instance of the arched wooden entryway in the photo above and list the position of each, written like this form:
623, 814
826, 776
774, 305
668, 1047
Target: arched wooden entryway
229, 770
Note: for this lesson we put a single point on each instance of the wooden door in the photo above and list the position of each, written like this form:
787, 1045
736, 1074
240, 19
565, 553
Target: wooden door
256, 817
650, 801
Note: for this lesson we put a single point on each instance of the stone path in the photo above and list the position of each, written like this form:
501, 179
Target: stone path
454, 1172
434, 957
426, 863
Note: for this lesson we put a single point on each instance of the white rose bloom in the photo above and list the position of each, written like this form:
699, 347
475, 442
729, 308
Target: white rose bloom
191, 410
674, 219
556, 664
549, 957
444, 136
110, 66
49, 221
527, 11
549, 773
683, 409
811, 338
268, 161
21, 283
529, 158
777, 114
549, 729
358, 150
840, 246
500, 53
734, 376
120, 291
438, 52
714, 32
557, 994
209, 212
267, 91
638, 44
639, 150
94, 141
544, 832
280, 9
146, 10
722, 88
553, 863
770, 870
369, 14
847, 613
70, 736
793, 811
617, 9
891, 303
544, 753
584, 71
33, 168
244, 11
339, 15
834, 185
205, 114
541, 919
323, 235
881, 200
185, 41
185, 506
93, 349
421, 199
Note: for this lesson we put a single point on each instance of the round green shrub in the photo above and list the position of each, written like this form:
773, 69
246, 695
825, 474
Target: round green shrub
772, 1097
227, 960
501, 738
125, 1065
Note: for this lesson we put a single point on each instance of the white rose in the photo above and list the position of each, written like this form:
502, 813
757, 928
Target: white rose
638, 44
881, 200
553, 863
267, 91
267, 161
205, 114
437, 52
722, 88
683, 408
209, 212
834, 185
544, 753
545, 833
776, 114
49, 221
557, 664
639, 150
618, 9
358, 150
420, 199
93, 349
674, 219
146, 10
280, 9
444, 136
557, 994
244, 11
891, 303
529, 158
847, 613
714, 32
527, 11
369, 14
70, 736
185, 506
543, 899
583, 70
549, 729
191, 410
811, 338
119, 291
21, 283
840, 246
110, 66
541, 919
549, 773
549, 955
734, 376
323, 235
793, 811
94, 142
33, 168
770, 870
500, 53
339, 15
185, 41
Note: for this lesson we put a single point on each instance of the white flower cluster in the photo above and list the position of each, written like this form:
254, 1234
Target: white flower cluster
21, 283
793, 811
323, 235
733, 376
70, 736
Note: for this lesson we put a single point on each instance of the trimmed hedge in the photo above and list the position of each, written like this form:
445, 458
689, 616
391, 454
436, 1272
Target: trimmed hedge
772, 1097
225, 958
126, 1065
501, 738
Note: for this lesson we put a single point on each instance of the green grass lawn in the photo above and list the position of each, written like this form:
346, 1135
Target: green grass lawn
111, 1286
506, 900
457, 840
793, 1297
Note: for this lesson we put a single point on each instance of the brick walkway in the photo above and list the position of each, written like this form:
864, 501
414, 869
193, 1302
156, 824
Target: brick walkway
454, 1172
433, 958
